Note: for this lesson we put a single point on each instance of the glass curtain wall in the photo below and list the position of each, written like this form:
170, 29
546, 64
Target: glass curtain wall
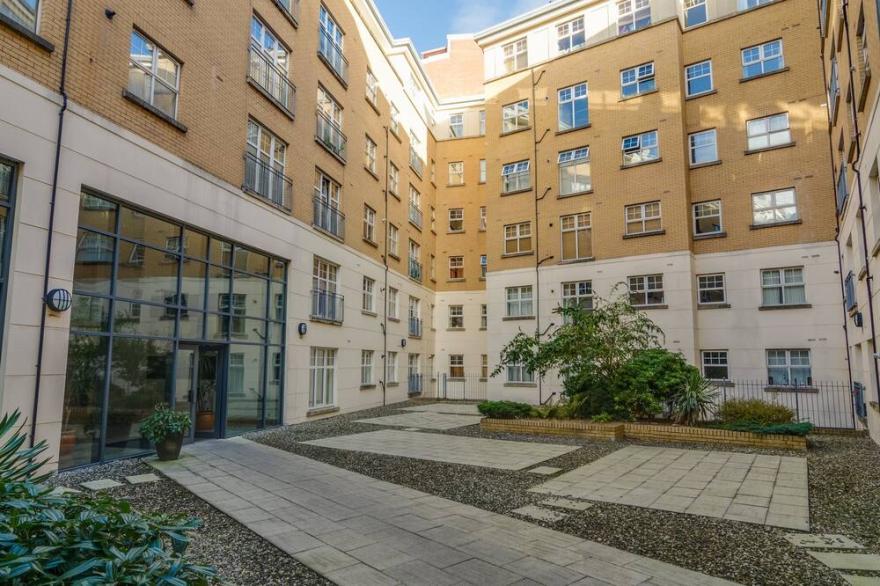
143, 288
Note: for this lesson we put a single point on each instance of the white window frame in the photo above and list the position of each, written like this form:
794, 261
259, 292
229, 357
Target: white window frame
518, 233
370, 148
757, 54
576, 224
786, 358
787, 281
392, 373
578, 294
151, 72
484, 316
484, 266
709, 284
515, 116
456, 268
708, 209
456, 173
651, 211
519, 302
393, 179
516, 177
456, 125
640, 148
574, 172
768, 132
641, 78
393, 240
456, 366
701, 142
322, 377
395, 119
641, 287
484, 219
570, 35
690, 5
715, 359
517, 374
569, 98
367, 368
779, 215
482, 170
368, 299
456, 317
393, 305
515, 55
456, 220
698, 71
631, 15
369, 224
325, 275
372, 88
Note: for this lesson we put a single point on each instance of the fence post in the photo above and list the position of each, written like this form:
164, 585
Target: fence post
444, 385
797, 402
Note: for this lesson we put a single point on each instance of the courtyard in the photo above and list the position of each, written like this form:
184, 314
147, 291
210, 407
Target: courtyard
361, 499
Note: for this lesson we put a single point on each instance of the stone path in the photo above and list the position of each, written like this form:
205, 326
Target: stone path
453, 408
842, 561
357, 530
425, 420
473, 451
768, 490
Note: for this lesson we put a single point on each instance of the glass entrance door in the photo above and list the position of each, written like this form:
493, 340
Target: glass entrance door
201, 387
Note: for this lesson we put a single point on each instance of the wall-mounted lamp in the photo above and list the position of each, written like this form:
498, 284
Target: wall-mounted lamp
403, 343
302, 328
58, 300
109, 13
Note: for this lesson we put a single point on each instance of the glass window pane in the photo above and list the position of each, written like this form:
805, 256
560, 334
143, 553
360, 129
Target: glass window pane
245, 388
218, 289
145, 274
94, 263
147, 229
97, 213
191, 325
90, 314
221, 252
254, 292
192, 284
83, 396
195, 244
144, 320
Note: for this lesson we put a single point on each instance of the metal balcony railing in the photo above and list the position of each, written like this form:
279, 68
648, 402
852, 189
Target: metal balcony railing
415, 270
327, 306
291, 7
416, 162
330, 135
415, 327
849, 288
332, 54
261, 179
328, 217
842, 187
415, 215
516, 181
272, 79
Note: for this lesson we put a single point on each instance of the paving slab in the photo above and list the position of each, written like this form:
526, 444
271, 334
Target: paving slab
862, 580
451, 408
568, 504
765, 490
539, 513
848, 561
545, 470
425, 420
142, 478
101, 484
376, 535
487, 453
822, 541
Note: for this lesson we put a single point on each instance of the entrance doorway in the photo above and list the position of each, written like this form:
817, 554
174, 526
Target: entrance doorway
201, 387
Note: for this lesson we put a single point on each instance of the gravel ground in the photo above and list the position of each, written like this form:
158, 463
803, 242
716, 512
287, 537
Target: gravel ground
844, 491
240, 556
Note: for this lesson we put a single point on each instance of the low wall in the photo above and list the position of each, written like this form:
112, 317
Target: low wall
642, 431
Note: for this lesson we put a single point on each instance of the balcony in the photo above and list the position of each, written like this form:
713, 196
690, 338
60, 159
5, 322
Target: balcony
290, 8
328, 217
271, 81
415, 270
415, 216
415, 327
327, 306
514, 182
331, 54
416, 163
849, 289
330, 136
270, 184
842, 188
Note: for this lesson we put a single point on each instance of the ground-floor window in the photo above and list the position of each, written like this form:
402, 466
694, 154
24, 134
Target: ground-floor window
322, 377
7, 200
715, 364
789, 367
518, 373
164, 313
456, 365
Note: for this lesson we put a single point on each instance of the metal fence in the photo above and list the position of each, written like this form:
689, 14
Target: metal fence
467, 387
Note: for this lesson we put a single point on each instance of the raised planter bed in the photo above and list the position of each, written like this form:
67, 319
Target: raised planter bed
644, 431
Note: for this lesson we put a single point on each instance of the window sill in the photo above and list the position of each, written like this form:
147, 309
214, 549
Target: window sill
789, 389
482, 329
787, 145
517, 131
455, 280
575, 194
763, 75
287, 13
634, 96
782, 307
321, 320
863, 273
373, 105
721, 383
517, 192
371, 243
710, 236
394, 195
394, 319
709, 164
642, 164
321, 411
775, 224
452, 185
369, 313
702, 306
518, 318
516, 254
272, 99
644, 234
646, 307
367, 387
522, 385
394, 384
455, 231
574, 261
395, 135
394, 256
700, 95
328, 233
154, 111
27, 33
371, 172
454, 329
416, 226
570, 130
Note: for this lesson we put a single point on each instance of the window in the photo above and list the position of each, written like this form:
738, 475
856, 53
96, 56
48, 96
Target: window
746, 4
577, 240
415, 207
268, 63
774, 207
578, 294
484, 366
372, 88
366, 368
637, 80
456, 219
574, 171
482, 170
456, 268
703, 147
456, 125
789, 367
325, 303
482, 116
768, 132
264, 165
715, 364
484, 221
484, 316
395, 119
413, 375
368, 300
415, 265
393, 179
783, 286
707, 218
646, 290
515, 177
391, 369
369, 224
393, 303
574, 107
519, 301
515, 117
456, 173
518, 374
570, 35
322, 379
518, 238
153, 76
328, 216
516, 55
433, 267
698, 78
711, 289
393, 240
330, 44
456, 317
484, 266
370, 154
643, 218
695, 12
433, 219
456, 366
762, 59
632, 15
24, 12
640, 148
329, 124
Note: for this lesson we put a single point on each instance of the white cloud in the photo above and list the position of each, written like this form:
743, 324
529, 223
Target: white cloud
471, 16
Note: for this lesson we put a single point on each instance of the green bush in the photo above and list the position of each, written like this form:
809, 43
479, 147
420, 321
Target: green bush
693, 401
602, 418
754, 411
800, 429
51, 538
164, 422
505, 409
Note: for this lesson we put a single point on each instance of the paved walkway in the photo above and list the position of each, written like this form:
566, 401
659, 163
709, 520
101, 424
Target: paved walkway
357, 530
454, 408
473, 451
425, 420
767, 490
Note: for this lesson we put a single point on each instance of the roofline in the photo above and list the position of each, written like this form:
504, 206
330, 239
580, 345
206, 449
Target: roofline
552, 6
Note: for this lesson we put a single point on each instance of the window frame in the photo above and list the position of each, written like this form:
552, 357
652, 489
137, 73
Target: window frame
456, 216
697, 75
516, 116
789, 365
456, 128
696, 218
709, 283
762, 59
754, 132
576, 293
694, 148
643, 218
367, 363
456, 366
515, 306
715, 359
695, 4
522, 231
576, 228
455, 317
369, 224
784, 286
516, 177
631, 150
455, 173
631, 14
368, 297
518, 57
153, 74
456, 267
638, 79
645, 286
569, 31
571, 100
776, 207
574, 159
326, 369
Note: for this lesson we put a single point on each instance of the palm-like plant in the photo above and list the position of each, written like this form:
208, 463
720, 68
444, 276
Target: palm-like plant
694, 401
18, 464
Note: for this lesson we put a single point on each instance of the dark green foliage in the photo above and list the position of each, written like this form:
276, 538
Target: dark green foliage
800, 429
164, 422
694, 401
505, 409
754, 411
602, 418
18, 463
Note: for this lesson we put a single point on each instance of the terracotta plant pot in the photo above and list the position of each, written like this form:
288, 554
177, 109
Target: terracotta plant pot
205, 421
169, 448
68, 442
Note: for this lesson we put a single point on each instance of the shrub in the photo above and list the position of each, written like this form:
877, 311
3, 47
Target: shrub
602, 418
164, 422
505, 409
754, 411
694, 400
801, 429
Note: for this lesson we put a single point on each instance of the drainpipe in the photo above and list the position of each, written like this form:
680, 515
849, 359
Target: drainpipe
385, 288
62, 89
537, 226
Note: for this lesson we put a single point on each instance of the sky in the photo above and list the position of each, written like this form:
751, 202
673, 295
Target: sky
427, 22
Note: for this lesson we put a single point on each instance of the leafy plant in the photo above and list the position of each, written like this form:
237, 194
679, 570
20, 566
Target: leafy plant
164, 422
505, 409
800, 429
18, 464
693, 401
754, 411
602, 418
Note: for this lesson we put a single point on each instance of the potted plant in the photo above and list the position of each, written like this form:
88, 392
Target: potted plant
166, 428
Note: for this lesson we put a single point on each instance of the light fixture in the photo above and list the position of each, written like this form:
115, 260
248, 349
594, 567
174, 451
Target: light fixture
58, 300
302, 329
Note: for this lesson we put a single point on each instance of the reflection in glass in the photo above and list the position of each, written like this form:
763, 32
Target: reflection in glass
221, 252
191, 327
144, 320
275, 379
218, 288
97, 213
192, 283
145, 273
83, 393
90, 314
148, 229
244, 388
253, 292
94, 263
195, 244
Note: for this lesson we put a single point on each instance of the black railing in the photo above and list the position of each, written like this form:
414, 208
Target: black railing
332, 54
842, 188
272, 79
327, 306
328, 218
329, 135
260, 178
416, 163
415, 327
415, 270
415, 215
849, 288
291, 7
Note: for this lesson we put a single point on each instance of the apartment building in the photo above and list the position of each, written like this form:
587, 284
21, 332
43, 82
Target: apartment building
849, 38
271, 211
